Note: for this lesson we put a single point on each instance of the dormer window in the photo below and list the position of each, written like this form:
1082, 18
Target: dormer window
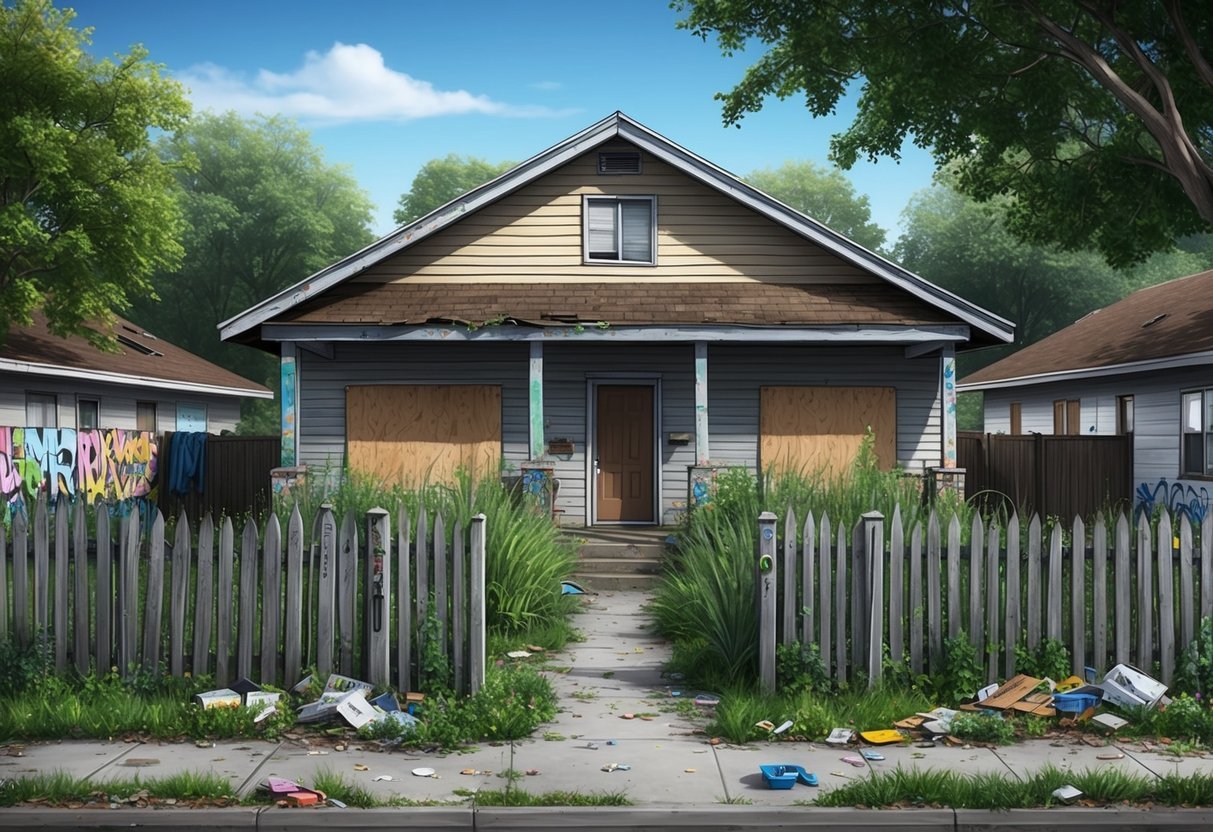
620, 229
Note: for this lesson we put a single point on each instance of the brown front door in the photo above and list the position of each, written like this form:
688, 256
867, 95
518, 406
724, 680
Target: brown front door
624, 448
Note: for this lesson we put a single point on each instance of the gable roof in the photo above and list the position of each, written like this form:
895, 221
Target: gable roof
987, 327
1170, 324
142, 359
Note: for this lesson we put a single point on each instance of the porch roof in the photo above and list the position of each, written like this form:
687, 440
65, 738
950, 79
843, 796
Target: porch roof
617, 303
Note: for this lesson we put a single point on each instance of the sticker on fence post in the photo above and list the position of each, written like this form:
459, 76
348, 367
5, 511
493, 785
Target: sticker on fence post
378, 594
767, 594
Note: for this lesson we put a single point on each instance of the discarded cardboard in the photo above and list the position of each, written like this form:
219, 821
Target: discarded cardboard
303, 684
386, 702
1036, 704
1110, 721
910, 723
840, 736
346, 684
1011, 691
244, 686
356, 710
1067, 794
222, 698
261, 698
881, 737
1129, 687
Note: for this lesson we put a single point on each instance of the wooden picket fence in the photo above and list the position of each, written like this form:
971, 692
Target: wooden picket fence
249, 608
1121, 595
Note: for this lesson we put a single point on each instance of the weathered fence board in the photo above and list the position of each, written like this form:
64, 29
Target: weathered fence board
347, 588
271, 598
41, 569
80, 592
178, 595
995, 585
787, 624
91, 616
441, 598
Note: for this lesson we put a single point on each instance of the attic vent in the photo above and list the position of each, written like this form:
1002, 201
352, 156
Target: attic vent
131, 343
617, 162
1154, 320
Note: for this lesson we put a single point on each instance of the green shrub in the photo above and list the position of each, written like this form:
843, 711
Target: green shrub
978, 727
799, 669
963, 672
1194, 673
1050, 659
1186, 718
513, 702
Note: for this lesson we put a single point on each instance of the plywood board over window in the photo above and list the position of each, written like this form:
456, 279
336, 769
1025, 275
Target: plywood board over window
820, 429
414, 434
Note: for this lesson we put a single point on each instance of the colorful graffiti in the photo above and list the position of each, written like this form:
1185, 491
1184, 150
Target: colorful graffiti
95, 464
949, 410
1178, 497
289, 375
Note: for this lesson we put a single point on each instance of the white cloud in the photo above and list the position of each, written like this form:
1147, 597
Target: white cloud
546, 86
347, 83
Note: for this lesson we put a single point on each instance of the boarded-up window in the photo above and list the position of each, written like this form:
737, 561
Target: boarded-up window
416, 434
820, 429
1016, 419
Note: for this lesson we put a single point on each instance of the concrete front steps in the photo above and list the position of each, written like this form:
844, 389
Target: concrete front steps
619, 558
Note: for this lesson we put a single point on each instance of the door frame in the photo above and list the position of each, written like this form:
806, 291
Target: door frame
593, 382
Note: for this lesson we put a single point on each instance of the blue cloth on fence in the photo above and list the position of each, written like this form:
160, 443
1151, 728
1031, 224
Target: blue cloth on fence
187, 462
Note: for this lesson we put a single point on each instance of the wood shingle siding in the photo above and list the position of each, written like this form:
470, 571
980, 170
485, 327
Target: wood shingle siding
536, 234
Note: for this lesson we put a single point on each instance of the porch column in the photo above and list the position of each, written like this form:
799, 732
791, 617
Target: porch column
536, 399
701, 403
947, 366
290, 404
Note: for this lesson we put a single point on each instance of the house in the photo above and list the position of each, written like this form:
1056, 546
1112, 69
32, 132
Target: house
1142, 366
72, 416
620, 312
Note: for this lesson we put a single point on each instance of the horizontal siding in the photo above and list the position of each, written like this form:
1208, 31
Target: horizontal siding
117, 403
535, 234
322, 383
735, 375
1156, 414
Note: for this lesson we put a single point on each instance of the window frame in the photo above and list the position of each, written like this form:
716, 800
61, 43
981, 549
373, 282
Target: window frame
618, 199
96, 402
1121, 421
54, 403
155, 415
1205, 399
1067, 417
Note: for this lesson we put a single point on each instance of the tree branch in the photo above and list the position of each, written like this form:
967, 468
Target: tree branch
1203, 68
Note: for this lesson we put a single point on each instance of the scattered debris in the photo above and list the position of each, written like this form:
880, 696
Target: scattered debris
986, 692
361, 767
356, 710
783, 727
765, 725
222, 698
840, 736
1109, 721
384, 778
873, 756
337, 803
1067, 794
518, 654
532, 772
855, 761
884, 737
423, 772
1130, 688
346, 684
688, 771
1113, 756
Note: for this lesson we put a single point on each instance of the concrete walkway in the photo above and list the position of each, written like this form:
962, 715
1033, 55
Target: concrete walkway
660, 758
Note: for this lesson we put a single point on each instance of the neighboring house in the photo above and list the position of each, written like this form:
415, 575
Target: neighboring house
1142, 366
619, 310
148, 385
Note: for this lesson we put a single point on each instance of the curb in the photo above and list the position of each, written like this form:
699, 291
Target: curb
1078, 820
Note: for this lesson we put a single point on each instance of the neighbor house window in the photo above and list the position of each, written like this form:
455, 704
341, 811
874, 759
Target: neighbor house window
41, 410
1016, 419
1124, 415
620, 229
145, 416
1196, 451
88, 414
1067, 417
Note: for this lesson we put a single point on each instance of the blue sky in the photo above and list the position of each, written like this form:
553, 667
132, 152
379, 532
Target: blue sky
386, 86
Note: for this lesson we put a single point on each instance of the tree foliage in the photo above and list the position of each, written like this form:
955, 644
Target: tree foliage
263, 210
826, 195
441, 180
86, 205
965, 246
1098, 115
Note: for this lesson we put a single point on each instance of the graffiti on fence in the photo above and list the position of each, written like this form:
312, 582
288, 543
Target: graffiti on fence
96, 464
1177, 497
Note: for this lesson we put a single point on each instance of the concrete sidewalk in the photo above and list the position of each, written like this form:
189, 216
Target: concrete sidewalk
664, 764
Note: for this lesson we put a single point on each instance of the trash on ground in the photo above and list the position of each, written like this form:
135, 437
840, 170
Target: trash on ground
627, 716
855, 761
1128, 687
986, 692
222, 698
840, 736
244, 685
532, 772
1112, 756
572, 588
1110, 721
688, 771
609, 767
1067, 794
386, 702
707, 700
765, 725
356, 710
361, 767
873, 756
1011, 691
423, 772
337, 803
883, 737
264, 714
518, 654
782, 727
384, 778
261, 699
346, 684
1078, 698
303, 684
785, 775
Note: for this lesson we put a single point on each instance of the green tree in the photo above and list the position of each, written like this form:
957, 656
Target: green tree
263, 210
87, 211
441, 180
1098, 115
826, 195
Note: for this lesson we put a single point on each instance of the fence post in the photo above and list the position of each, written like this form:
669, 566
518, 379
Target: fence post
767, 593
873, 538
476, 625
378, 594
326, 586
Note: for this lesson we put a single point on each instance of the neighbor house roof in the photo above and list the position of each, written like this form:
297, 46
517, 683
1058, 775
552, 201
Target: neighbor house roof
141, 359
986, 327
1161, 326
615, 303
